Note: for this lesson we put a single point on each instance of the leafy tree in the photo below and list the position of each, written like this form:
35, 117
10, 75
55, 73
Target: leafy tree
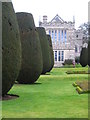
85, 30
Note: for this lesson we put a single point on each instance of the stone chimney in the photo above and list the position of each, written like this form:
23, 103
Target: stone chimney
73, 19
44, 19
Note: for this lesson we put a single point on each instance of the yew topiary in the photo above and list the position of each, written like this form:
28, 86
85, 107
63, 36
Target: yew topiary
50, 52
45, 49
89, 53
31, 67
11, 47
84, 57
89, 45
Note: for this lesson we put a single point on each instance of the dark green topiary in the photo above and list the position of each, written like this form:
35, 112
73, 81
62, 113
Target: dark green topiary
50, 52
89, 45
68, 62
45, 49
31, 49
77, 59
89, 53
11, 47
84, 57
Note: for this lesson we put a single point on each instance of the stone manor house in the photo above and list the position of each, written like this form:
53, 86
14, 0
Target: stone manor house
66, 40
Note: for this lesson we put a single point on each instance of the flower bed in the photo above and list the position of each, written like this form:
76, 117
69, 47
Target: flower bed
82, 87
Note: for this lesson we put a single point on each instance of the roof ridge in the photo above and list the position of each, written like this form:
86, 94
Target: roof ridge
60, 19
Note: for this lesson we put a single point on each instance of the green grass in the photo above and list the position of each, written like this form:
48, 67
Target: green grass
53, 96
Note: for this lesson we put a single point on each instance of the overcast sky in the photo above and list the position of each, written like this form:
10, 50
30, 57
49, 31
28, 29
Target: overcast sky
66, 9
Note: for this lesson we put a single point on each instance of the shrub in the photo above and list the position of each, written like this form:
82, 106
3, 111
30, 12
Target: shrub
77, 60
31, 67
77, 72
11, 47
50, 52
68, 62
84, 57
89, 52
45, 49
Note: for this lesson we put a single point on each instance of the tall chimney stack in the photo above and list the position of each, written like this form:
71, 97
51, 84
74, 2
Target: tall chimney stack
44, 19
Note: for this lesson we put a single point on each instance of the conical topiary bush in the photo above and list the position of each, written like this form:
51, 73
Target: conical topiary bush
31, 67
45, 49
50, 52
11, 47
84, 57
89, 45
89, 53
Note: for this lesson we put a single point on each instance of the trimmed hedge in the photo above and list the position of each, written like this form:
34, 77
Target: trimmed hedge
79, 90
89, 52
84, 57
45, 49
11, 47
31, 67
89, 45
68, 62
77, 60
74, 84
50, 52
77, 72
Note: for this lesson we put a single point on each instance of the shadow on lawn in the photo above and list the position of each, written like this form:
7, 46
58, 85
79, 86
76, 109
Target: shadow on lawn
9, 97
35, 84
46, 74
45, 119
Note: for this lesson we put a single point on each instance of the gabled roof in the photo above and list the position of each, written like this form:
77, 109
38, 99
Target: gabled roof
57, 18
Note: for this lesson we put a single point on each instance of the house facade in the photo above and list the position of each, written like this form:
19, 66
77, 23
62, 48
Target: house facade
63, 35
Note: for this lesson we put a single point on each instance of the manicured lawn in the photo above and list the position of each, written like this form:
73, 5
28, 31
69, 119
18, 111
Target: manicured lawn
53, 96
